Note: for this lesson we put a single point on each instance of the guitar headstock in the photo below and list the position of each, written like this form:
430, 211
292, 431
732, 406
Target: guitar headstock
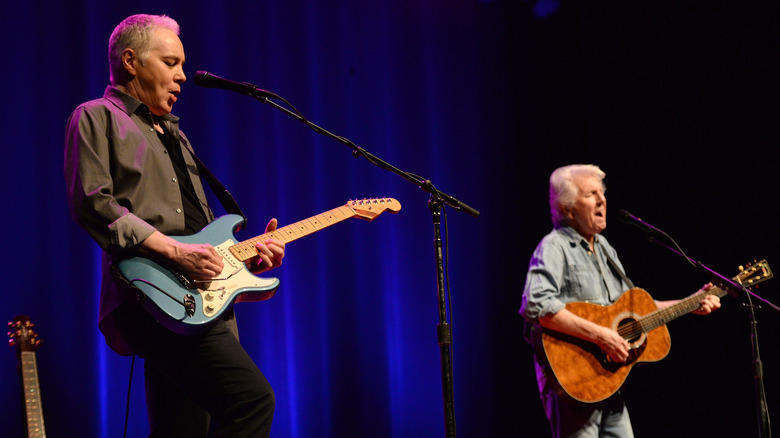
370, 208
753, 274
22, 334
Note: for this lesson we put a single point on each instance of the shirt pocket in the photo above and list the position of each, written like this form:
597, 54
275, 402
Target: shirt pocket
584, 283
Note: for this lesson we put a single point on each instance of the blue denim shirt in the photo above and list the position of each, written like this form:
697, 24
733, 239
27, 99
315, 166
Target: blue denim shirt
564, 269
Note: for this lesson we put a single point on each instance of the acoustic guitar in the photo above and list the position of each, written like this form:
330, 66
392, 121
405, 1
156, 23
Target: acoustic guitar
26, 341
585, 372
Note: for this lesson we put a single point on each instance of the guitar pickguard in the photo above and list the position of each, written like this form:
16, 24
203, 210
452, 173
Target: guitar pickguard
219, 292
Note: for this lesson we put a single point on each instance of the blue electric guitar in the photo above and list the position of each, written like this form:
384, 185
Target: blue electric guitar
186, 306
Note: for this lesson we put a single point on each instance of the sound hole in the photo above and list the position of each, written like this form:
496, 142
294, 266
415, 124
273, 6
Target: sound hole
632, 332
629, 330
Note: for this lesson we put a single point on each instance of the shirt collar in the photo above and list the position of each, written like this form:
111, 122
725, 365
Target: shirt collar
576, 238
131, 105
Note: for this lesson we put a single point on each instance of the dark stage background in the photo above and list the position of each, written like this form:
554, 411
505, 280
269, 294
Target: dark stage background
676, 102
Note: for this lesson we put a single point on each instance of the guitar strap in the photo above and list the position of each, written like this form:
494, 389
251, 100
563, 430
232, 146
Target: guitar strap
617, 269
224, 196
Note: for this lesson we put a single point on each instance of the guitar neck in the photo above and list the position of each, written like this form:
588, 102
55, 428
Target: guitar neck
32, 395
660, 317
245, 250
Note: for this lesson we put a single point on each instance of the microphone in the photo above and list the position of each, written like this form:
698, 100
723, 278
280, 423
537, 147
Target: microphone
208, 80
630, 219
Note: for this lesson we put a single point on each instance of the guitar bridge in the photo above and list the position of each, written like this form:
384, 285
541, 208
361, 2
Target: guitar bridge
183, 279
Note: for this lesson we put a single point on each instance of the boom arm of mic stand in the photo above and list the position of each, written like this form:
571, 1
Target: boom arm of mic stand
734, 289
435, 204
357, 151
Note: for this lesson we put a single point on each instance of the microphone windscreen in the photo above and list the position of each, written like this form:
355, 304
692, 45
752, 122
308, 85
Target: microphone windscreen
203, 78
624, 216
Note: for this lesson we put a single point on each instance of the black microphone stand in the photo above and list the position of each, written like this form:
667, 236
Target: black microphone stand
737, 290
436, 203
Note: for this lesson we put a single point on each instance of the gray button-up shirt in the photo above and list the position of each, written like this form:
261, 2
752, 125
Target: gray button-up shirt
121, 184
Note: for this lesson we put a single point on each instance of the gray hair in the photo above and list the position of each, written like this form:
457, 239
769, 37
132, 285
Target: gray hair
563, 190
134, 32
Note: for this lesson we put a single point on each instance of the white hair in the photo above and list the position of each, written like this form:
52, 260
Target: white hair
563, 189
134, 32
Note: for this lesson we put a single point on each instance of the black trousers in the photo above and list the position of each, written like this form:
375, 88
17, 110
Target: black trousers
192, 381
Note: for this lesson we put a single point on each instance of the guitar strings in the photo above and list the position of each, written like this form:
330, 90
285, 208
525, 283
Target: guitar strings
651, 321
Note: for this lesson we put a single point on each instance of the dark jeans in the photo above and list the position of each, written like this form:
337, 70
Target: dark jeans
190, 377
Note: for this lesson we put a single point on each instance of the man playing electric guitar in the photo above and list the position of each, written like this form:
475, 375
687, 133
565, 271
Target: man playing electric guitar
132, 182
575, 263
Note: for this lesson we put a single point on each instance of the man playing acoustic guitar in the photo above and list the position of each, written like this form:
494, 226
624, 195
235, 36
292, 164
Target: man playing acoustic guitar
575, 263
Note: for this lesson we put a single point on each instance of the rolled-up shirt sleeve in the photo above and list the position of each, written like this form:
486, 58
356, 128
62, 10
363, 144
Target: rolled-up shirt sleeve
90, 187
541, 294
